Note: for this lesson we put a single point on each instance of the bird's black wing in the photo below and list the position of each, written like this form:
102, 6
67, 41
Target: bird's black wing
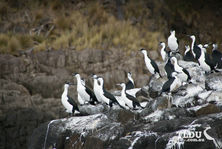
217, 58
187, 73
153, 63
169, 68
73, 103
209, 61
112, 98
197, 51
129, 85
135, 101
91, 94
109, 96
167, 84
189, 56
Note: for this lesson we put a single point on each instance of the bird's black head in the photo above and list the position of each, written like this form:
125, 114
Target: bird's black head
74, 74
142, 49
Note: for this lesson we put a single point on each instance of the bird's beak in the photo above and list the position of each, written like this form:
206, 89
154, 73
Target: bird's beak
74, 74
118, 84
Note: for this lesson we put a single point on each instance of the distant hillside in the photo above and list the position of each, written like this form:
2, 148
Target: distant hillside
120, 24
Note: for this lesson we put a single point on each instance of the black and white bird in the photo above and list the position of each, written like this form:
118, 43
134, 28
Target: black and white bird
150, 64
217, 56
188, 55
172, 84
130, 83
131, 90
169, 68
184, 74
194, 48
69, 104
172, 42
163, 52
86, 95
96, 88
205, 62
106, 96
129, 100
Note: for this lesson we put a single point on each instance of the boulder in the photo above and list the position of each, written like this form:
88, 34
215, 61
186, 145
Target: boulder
213, 81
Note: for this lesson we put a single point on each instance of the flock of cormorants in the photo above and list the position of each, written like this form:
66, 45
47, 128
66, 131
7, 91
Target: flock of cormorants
176, 74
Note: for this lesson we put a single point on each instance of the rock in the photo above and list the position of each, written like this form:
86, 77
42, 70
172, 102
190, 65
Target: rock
47, 86
186, 96
155, 86
92, 109
213, 81
18, 124
11, 65
97, 125
215, 97
208, 109
38, 85
54, 59
196, 73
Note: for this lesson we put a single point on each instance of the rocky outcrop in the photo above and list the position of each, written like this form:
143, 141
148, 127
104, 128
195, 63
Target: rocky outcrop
31, 86
33, 82
193, 120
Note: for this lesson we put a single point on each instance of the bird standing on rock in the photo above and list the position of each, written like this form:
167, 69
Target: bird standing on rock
172, 42
96, 88
164, 53
150, 64
86, 95
106, 96
205, 62
184, 74
69, 104
130, 101
194, 48
171, 85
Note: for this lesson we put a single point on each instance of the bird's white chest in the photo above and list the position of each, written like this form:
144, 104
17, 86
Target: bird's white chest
172, 43
163, 54
82, 92
203, 64
103, 98
182, 75
149, 66
175, 85
97, 93
66, 104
